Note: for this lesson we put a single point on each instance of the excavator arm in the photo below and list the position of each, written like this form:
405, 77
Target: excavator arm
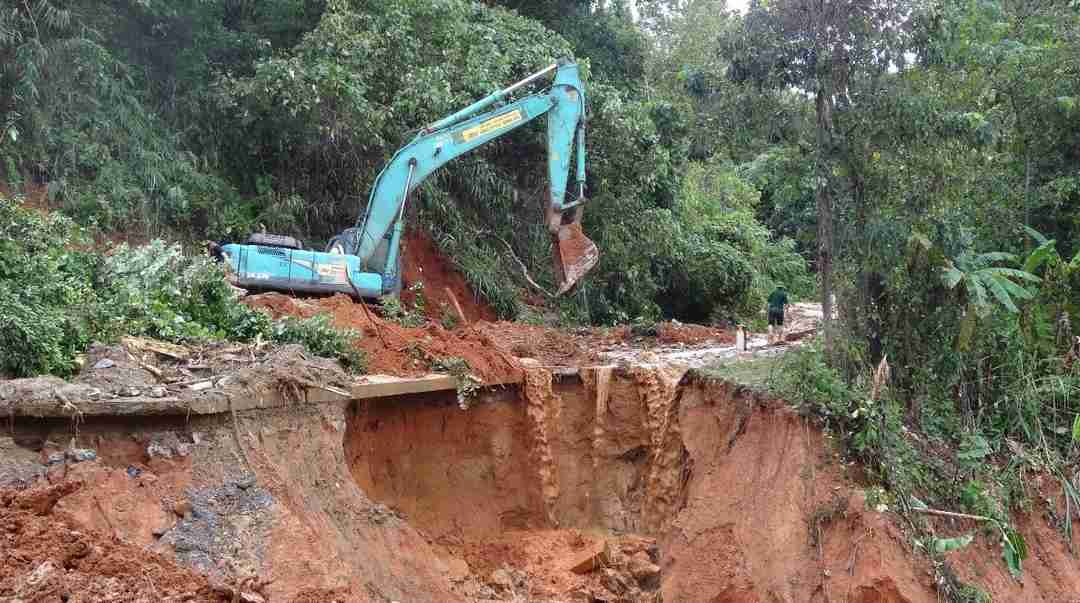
564, 105
364, 260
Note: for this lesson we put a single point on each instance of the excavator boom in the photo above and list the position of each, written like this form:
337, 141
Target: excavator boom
365, 260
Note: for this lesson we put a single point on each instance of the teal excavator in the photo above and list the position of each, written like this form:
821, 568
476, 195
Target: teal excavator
365, 261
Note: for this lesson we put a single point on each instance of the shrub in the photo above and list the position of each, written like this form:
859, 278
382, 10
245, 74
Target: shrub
320, 338
57, 296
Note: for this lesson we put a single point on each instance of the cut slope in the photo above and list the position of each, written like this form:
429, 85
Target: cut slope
741, 494
770, 517
422, 263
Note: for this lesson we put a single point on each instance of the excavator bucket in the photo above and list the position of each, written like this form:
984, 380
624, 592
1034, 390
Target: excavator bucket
575, 255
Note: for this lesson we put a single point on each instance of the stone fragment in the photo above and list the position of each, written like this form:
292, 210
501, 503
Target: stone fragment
615, 581
156, 449
502, 578
80, 455
183, 508
644, 570
104, 363
457, 570
592, 558
38, 582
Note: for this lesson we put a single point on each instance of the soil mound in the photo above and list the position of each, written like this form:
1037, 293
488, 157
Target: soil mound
396, 350
551, 347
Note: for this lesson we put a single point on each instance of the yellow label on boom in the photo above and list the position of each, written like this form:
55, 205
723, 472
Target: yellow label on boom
495, 123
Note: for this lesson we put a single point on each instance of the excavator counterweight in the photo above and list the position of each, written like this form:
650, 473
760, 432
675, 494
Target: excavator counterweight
364, 261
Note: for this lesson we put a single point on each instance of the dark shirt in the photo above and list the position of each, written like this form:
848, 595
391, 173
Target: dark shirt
777, 301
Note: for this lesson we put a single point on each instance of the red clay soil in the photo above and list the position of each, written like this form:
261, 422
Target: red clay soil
548, 557
552, 347
422, 263
769, 516
48, 556
689, 334
1050, 573
322, 595
395, 350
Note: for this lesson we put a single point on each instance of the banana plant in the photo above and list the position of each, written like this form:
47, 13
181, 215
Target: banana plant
977, 275
983, 283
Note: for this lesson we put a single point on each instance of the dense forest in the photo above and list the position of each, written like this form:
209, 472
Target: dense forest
910, 163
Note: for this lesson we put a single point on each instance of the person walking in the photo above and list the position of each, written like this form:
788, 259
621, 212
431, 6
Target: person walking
777, 306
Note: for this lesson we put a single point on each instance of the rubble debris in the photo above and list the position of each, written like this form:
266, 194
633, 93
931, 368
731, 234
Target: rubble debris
183, 508
80, 455
47, 557
596, 556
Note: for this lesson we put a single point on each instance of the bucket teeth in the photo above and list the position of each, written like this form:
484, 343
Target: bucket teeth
575, 255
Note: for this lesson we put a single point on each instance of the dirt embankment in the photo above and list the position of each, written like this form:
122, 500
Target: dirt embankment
631, 485
257, 496
734, 498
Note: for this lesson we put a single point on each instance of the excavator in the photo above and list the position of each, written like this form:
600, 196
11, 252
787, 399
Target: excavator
365, 261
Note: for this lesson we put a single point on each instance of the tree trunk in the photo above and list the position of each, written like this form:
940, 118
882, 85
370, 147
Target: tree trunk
823, 196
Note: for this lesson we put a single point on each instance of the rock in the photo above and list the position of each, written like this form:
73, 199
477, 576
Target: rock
247, 597
457, 570
131, 392
38, 581
156, 449
158, 392
592, 558
183, 508
104, 363
502, 578
615, 581
81, 455
54, 458
133, 471
644, 570
521, 577
159, 530
55, 474
245, 482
